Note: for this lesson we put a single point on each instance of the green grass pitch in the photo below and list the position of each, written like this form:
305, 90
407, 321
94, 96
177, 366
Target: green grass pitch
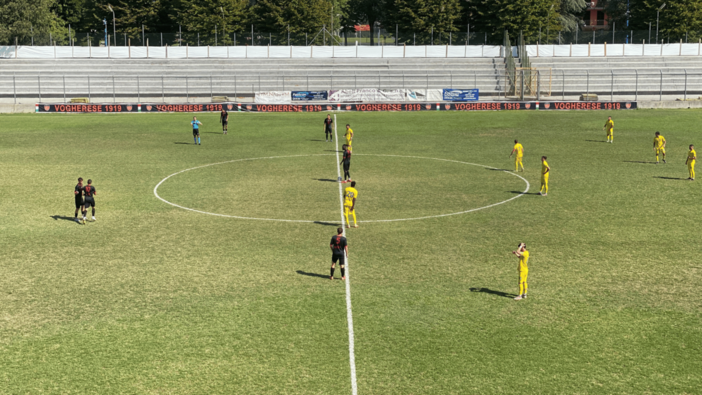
156, 299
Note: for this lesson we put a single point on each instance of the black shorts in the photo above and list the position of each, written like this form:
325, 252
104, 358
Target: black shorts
224, 123
328, 129
79, 202
339, 258
89, 202
196, 132
346, 167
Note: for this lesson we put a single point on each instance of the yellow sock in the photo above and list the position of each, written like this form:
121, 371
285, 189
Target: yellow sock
692, 172
346, 214
354, 217
546, 188
656, 158
526, 286
521, 288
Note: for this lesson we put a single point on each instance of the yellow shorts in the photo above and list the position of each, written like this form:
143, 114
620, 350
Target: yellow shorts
660, 151
544, 178
347, 210
518, 158
523, 275
691, 164
610, 132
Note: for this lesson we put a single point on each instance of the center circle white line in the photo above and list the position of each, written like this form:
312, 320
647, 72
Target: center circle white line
366, 221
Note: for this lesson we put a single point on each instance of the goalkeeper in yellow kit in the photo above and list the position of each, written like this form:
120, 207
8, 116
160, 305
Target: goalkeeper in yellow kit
350, 195
609, 127
349, 137
523, 270
690, 162
659, 146
519, 150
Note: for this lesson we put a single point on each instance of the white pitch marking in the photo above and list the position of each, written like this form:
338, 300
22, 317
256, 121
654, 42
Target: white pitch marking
349, 315
366, 221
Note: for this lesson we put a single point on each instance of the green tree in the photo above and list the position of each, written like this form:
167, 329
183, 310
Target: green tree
533, 18
23, 20
209, 16
571, 12
299, 16
678, 18
423, 16
367, 12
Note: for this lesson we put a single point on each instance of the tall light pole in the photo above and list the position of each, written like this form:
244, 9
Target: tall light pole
658, 14
114, 28
224, 27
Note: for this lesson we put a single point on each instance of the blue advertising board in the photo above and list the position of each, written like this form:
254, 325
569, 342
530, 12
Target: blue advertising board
461, 94
309, 95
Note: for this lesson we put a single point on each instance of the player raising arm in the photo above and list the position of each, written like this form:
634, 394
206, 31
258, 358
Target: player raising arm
545, 171
196, 130
519, 150
609, 127
340, 250
523, 270
690, 162
659, 146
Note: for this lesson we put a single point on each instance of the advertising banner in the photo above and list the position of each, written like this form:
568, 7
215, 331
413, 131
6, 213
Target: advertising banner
273, 97
310, 95
460, 95
404, 106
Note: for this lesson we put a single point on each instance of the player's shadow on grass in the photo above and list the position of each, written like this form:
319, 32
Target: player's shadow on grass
318, 140
493, 169
180, 142
524, 193
640, 161
596, 141
325, 179
326, 223
313, 274
671, 178
493, 292
58, 217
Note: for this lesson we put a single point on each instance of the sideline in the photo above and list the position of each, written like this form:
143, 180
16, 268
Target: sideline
349, 315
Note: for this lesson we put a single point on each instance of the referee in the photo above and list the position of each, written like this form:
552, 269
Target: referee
339, 252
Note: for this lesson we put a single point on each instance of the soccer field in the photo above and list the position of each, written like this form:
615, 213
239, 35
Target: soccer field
152, 298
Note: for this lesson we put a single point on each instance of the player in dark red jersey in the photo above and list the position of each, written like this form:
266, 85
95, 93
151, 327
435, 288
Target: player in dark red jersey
328, 128
89, 193
78, 194
224, 120
339, 251
347, 163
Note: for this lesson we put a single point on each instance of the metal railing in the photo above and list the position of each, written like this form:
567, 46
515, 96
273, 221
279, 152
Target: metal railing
549, 85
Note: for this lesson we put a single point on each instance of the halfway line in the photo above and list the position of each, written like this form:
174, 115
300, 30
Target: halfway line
349, 315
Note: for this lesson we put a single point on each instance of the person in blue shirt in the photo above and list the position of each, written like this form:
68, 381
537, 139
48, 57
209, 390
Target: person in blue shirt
196, 130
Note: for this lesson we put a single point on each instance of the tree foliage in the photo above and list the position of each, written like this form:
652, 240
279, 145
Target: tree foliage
23, 20
295, 16
678, 18
423, 15
571, 12
526, 16
208, 17
368, 12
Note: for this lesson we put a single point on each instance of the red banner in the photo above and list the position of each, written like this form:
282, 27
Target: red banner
364, 107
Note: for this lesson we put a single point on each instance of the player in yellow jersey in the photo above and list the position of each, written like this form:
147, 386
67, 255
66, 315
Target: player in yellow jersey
609, 127
545, 171
659, 146
690, 162
519, 150
523, 270
350, 195
349, 136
